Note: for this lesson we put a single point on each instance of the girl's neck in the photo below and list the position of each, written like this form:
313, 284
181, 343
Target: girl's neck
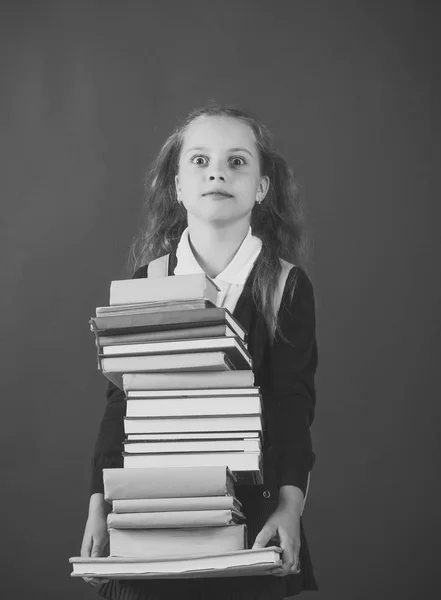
215, 247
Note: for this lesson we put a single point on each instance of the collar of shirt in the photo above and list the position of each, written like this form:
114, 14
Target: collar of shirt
234, 274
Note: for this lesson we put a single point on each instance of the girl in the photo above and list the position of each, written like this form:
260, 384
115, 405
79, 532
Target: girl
221, 200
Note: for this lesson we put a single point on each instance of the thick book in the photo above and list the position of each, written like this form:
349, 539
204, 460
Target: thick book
166, 320
242, 563
167, 362
158, 543
172, 287
146, 505
233, 347
169, 482
195, 435
238, 378
174, 519
248, 464
189, 407
167, 334
211, 392
192, 424
159, 446
114, 367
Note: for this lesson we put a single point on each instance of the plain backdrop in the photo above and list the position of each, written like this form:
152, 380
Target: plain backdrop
350, 90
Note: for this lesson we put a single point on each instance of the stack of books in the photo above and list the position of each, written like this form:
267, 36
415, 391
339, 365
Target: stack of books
193, 428
194, 419
187, 375
157, 531
173, 511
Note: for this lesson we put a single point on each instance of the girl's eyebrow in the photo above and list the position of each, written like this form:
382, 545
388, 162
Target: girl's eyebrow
230, 150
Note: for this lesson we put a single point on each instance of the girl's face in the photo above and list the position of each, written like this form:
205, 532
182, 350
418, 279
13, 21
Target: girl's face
219, 154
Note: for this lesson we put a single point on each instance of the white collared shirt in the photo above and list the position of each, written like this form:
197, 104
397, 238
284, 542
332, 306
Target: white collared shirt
232, 279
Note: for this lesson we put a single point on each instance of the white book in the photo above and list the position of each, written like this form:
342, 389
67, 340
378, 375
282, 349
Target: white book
155, 447
188, 380
189, 407
167, 482
173, 519
159, 543
171, 288
192, 424
231, 564
145, 505
190, 345
189, 361
247, 462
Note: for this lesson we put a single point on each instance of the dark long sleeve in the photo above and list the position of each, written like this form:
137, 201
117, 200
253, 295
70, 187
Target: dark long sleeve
292, 370
109, 444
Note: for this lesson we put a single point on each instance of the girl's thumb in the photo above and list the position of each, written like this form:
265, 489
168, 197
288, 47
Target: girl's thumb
262, 538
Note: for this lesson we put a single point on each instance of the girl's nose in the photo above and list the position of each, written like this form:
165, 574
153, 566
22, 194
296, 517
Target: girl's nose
218, 176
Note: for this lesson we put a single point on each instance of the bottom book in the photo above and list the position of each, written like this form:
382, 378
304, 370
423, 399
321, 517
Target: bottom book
163, 543
229, 564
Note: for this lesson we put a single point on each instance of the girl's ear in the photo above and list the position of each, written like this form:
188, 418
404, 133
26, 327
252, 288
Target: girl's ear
264, 184
177, 183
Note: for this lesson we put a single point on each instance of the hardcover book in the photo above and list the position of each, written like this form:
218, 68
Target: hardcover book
160, 482
219, 564
174, 287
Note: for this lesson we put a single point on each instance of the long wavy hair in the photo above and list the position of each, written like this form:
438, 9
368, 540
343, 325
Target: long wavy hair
278, 221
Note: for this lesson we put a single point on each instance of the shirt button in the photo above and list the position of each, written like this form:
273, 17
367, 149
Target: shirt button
266, 494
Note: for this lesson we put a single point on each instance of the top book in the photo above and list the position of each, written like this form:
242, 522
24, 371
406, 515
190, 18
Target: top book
170, 288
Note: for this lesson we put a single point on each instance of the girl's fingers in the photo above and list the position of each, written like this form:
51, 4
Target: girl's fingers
263, 537
288, 553
283, 569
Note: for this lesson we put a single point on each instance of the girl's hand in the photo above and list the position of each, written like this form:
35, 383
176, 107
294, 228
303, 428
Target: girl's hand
283, 524
95, 541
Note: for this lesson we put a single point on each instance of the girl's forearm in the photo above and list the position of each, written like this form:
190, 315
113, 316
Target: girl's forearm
291, 497
97, 504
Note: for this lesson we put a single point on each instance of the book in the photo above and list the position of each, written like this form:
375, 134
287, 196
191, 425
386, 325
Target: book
174, 519
140, 308
239, 378
167, 362
169, 482
212, 392
175, 504
158, 543
113, 367
165, 320
192, 424
195, 435
248, 464
174, 287
168, 334
216, 445
247, 562
188, 407
233, 347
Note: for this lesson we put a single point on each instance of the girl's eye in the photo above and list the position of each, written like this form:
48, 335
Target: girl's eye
235, 158
198, 158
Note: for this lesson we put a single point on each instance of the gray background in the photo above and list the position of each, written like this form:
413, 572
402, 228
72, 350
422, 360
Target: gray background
351, 91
